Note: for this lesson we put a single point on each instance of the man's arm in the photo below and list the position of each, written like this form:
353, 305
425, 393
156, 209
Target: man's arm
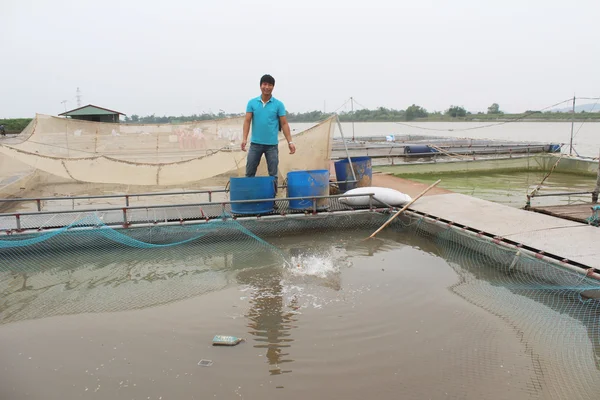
286, 132
246, 130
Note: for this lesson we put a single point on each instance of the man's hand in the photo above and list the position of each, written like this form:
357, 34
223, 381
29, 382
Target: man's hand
292, 147
244, 146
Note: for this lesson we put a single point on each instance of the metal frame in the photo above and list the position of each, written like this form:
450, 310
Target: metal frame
127, 223
39, 200
531, 196
554, 259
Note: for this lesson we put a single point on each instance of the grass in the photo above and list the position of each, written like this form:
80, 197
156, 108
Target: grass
15, 125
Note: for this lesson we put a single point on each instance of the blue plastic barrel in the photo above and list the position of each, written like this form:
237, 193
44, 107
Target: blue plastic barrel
419, 149
552, 148
362, 170
308, 184
258, 187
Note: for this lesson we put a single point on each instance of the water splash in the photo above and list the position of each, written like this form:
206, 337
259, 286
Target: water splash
320, 266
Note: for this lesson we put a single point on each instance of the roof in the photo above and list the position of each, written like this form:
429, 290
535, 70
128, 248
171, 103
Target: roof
90, 109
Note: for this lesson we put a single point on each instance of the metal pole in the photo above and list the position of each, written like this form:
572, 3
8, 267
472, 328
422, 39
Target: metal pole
597, 189
572, 124
346, 147
352, 109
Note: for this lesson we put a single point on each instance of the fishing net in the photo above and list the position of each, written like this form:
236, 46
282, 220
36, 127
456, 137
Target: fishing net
91, 267
554, 310
114, 157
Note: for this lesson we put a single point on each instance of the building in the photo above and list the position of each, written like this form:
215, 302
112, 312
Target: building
93, 113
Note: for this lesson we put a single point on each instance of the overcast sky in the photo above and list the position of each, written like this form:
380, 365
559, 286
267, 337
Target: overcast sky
188, 56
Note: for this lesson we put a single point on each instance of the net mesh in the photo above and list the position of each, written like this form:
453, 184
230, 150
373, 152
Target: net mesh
91, 267
206, 152
553, 310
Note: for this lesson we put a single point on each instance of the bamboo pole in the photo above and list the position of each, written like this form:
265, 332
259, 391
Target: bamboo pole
403, 209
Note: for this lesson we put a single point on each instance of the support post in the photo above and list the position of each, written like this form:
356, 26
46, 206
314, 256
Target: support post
345, 147
597, 188
352, 108
572, 124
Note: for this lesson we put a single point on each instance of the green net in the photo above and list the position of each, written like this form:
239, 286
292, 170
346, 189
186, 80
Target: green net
552, 309
89, 267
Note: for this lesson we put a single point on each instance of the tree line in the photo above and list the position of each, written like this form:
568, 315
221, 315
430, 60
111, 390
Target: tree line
381, 114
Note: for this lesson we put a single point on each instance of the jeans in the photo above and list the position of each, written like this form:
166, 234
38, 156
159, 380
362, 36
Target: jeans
255, 153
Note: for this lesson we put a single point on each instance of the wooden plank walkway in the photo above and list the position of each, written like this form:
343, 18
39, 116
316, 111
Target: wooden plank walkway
566, 239
573, 212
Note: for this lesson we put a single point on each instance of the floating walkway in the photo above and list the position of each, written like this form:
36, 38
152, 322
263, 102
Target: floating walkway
405, 148
546, 236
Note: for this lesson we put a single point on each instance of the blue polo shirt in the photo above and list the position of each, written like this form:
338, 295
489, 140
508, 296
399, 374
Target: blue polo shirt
265, 120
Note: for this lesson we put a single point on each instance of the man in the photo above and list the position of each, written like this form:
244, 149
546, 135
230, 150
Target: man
268, 116
2, 130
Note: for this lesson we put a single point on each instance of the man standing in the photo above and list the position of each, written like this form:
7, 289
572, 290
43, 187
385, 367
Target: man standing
267, 115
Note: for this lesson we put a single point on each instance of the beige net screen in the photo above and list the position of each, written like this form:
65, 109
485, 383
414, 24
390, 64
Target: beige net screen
203, 152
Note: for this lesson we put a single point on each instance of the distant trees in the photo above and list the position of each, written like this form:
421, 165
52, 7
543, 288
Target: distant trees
310, 116
381, 114
414, 112
494, 109
456, 111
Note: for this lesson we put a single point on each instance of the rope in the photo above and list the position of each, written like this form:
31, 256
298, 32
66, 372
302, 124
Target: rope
533, 193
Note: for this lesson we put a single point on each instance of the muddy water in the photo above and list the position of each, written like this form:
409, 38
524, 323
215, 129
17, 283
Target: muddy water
387, 318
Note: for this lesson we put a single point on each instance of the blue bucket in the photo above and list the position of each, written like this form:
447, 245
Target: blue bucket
362, 170
258, 187
308, 184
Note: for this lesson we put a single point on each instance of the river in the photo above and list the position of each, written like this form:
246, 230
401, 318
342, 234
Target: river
586, 135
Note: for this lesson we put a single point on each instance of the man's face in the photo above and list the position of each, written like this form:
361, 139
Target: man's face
266, 88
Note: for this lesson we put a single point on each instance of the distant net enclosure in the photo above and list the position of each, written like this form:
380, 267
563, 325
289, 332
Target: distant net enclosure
157, 155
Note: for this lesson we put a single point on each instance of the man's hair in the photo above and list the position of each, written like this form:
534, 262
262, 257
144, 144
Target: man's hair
267, 79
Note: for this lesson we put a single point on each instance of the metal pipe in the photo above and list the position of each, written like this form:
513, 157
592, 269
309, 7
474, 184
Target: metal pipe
133, 224
572, 123
559, 194
597, 188
159, 206
107, 196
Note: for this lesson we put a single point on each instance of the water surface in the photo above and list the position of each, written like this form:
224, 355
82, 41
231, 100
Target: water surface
400, 316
